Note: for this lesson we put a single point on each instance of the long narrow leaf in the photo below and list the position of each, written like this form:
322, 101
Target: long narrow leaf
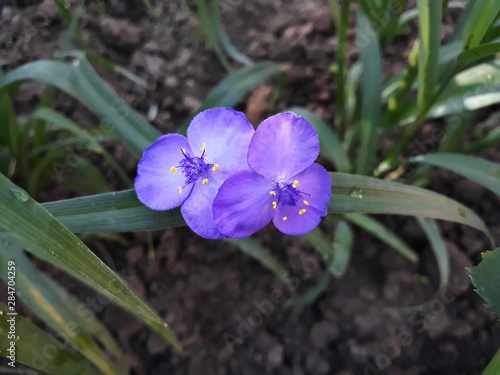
482, 16
82, 82
438, 248
38, 232
342, 246
32, 348
382, 233
483, 172
371, 89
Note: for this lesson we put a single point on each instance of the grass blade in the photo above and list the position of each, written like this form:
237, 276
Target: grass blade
30, 350
493, 367
481, 18
371, 89
330, 146
342, 247
430, 14
111, 212
438, 248
378, 230
34, 229
483, 172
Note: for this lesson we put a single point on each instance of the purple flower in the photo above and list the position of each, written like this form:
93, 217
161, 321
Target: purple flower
176, 170
284, 184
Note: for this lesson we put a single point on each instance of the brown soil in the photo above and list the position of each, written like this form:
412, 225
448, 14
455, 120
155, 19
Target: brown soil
225, 307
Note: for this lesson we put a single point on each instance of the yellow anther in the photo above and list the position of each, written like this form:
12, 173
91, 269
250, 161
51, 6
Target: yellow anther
305, 202
203, 146
215, 167
173, 169
204, 181
284, 218
274, 205
302, 212
183, 150
180, 189
272, 192
295, 183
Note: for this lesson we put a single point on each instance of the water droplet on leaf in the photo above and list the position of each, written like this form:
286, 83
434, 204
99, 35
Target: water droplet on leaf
461, 212
357, 193
19, 194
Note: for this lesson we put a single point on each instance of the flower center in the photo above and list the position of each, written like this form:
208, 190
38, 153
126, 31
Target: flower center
194, 168
288, 195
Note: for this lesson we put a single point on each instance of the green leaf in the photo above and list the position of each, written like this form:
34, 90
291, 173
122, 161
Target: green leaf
472, 89
378, 230
430, 14
342, 246
33, 344
39, 295
481, 18
330, 146
371, 90
81, 81
438, 247
483, 172
352, 193
264, 256
34, 229
486, 279
470, 56
234, 87
111, 212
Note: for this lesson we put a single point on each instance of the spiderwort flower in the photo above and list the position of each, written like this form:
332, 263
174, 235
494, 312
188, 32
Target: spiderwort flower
176, 170
283, 185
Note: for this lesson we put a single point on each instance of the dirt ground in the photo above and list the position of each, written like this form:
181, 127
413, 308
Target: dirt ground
226, 308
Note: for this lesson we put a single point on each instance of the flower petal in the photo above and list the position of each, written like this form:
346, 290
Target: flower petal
283, 145
197, 209
316, 185
224, 134
243, 205
156, 185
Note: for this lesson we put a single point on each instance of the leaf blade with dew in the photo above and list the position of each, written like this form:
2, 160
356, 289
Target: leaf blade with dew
438, 247
481, 171
264, 256
37, 293
34, 229
29, 349
330, 146
362, 194
371, 89
486, 279
82, 82
378, 230
232, 89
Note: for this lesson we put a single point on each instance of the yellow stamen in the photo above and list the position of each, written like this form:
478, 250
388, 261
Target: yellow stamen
215, 167
204, 181
183, 150
173, 169
305, 202
272, 192
302, 212
295, 183
284, 218
274, 205
203, 146
180, 189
